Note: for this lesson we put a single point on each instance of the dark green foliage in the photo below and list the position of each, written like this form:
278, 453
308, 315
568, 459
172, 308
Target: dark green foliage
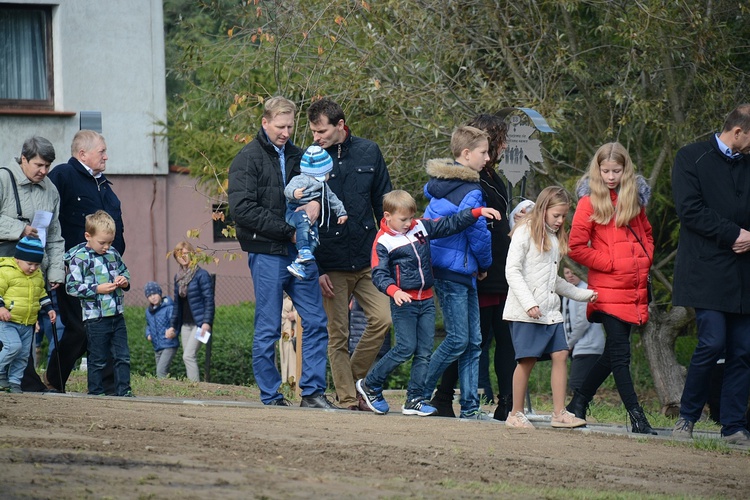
231, 349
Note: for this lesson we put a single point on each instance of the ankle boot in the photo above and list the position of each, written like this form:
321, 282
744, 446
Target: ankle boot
578, 405
444, 404
639, 422
504, 405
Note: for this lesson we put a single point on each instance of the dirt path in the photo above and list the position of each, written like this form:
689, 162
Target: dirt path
57, 446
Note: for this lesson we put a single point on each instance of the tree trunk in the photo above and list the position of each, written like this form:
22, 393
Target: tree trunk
658, 337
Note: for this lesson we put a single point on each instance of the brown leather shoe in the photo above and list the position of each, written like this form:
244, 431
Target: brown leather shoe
361, 405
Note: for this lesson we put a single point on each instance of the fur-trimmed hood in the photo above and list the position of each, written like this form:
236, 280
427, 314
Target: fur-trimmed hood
446, 175
644, 190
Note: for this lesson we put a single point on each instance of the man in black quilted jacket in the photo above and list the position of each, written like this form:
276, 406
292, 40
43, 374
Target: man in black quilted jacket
359, 179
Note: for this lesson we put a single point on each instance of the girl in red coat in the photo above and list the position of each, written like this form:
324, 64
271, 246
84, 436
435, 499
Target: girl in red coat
612, 237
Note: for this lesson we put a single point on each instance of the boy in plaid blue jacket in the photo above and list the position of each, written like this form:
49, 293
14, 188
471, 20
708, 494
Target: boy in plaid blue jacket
97, 276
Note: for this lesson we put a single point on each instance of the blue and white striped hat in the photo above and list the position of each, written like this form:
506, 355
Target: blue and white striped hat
316, 162
30, 250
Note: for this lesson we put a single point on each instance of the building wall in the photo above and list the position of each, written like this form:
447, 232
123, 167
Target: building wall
107, 57
158, 212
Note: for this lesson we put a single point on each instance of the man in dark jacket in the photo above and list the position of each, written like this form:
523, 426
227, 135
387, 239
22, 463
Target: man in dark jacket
83, 190
257, 178
360, 179
711, 185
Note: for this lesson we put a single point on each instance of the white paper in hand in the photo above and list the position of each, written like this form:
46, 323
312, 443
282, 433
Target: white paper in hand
202, 338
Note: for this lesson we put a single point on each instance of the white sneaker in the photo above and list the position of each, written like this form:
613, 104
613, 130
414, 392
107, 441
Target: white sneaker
518, 421
566, 420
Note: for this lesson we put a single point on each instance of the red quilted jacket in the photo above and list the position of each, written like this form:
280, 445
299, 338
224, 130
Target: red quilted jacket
618, 265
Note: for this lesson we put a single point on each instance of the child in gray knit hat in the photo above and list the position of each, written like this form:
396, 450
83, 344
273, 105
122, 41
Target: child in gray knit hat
315, 167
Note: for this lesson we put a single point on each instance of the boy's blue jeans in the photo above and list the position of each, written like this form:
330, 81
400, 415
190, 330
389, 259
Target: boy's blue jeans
307, 233
463, 341
14, 356
414, 324
108, 335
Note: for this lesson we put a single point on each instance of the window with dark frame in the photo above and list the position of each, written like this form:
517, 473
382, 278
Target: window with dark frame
26, 77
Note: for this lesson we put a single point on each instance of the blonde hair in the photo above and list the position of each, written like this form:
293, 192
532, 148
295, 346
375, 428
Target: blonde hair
399, 200
550, 197
84, 140
628, 206
99, 222
183, 245
466, 137
278, 106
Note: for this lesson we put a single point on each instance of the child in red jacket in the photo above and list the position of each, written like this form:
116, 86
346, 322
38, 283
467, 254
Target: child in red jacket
612, 237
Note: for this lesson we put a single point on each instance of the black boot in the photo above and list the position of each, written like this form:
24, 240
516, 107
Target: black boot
444, 404
504, 405
578, 405
639, 422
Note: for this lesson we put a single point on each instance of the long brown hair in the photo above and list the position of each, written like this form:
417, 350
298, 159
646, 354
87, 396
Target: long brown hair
550, 197
628, 206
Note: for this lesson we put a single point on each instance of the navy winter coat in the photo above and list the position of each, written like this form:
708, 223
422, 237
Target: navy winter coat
158, 320
81, 195
200, 298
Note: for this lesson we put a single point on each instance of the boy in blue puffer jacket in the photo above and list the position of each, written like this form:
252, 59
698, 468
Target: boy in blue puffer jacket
458, 261
158, 317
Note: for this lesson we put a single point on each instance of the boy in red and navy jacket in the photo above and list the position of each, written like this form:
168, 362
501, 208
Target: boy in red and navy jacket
401, 269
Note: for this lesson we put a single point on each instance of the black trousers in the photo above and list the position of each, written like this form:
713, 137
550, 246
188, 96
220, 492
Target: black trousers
73, 345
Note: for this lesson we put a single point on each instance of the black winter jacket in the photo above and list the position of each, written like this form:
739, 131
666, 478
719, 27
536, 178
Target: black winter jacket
80, 195
256, 196
360, 179
496, 196
712, 198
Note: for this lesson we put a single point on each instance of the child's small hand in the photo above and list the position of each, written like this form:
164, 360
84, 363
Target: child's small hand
4, 314
401, 297
491, 213
299, 193
106, 288
149, 338
121, 281
52, 316
342, 219
594, 297
534, 312
170, 333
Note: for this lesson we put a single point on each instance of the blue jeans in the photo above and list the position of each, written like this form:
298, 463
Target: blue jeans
307, 233
14, 356
108, 336
719, 334
270, 280
463, 341
414, 324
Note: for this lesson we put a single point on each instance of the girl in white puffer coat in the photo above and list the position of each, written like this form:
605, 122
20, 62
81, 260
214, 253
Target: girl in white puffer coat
538, 242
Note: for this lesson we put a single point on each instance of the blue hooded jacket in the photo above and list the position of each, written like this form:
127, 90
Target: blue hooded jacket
453, 187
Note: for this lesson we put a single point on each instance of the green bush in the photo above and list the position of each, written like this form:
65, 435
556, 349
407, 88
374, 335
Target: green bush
231, 346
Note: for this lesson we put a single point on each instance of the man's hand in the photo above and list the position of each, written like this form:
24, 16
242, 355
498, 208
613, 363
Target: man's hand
326, 287
742, 244
312, 209
481, 276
